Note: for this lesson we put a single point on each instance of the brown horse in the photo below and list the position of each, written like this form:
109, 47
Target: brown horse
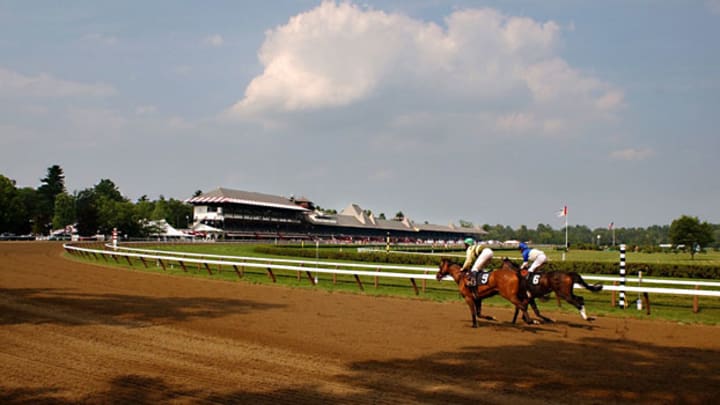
540, 284
501, 281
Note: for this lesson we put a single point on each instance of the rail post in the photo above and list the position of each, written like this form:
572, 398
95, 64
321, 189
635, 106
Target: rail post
621, 300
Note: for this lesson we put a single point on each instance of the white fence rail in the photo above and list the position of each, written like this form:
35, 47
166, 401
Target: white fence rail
386, 271
255, 263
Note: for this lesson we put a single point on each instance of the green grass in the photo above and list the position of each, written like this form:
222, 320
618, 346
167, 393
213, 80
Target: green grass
666, 307
711, 257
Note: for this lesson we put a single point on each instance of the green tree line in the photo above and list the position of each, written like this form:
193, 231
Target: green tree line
94, 210
685, 230
101, 208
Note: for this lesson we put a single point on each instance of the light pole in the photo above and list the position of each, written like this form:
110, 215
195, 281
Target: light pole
598, 241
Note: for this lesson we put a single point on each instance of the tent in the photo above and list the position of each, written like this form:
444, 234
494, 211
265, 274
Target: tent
162, 229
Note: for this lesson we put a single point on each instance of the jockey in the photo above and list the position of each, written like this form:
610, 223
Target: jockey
476, 257
535, 255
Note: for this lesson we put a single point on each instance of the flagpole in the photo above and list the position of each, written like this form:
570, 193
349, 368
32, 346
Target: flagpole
566, 231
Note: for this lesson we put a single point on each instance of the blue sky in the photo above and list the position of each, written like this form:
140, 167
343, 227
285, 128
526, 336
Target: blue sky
483, 111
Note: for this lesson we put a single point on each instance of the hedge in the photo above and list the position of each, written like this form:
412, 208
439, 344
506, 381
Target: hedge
655, 270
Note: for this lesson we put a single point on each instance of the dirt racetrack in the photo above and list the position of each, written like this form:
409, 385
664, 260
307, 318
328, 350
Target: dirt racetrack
73, 332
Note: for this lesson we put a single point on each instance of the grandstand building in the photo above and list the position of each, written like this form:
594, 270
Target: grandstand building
235, 214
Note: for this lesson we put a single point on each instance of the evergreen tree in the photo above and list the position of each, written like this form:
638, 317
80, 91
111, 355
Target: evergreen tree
52, 185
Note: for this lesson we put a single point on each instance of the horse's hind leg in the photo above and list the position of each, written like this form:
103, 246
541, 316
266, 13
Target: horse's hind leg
478, 306
537, 311
579, 303
522, 306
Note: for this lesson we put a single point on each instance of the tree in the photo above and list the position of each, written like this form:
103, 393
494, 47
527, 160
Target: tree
465, 224
8, 193
107, 189
25, 211
144, 209
161, 210
179, 213
52, 185
689, 231
64, 211
399, 216
87, 212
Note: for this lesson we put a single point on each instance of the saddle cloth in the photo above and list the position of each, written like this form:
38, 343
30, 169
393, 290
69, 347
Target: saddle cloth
476, 278
532, 278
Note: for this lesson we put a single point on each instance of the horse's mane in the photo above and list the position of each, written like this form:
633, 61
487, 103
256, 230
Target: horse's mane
511, 263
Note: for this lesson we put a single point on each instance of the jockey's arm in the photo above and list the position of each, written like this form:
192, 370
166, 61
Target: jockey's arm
469, 258
526, 258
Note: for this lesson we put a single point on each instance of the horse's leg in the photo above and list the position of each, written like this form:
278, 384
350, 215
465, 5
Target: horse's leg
471, 303
522, 306
579, 303
537, 311
516, 314
478, 306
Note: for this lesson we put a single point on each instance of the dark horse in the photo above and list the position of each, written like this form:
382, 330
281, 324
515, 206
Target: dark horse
559, 282
502, 281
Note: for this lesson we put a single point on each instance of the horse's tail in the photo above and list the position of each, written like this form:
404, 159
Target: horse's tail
577, 279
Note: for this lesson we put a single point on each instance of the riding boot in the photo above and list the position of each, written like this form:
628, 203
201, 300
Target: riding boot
470, 279
528, 284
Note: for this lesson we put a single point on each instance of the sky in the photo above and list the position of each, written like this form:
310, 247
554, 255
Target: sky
491, 112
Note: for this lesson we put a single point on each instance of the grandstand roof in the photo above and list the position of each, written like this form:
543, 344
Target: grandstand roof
229, 196
354, 216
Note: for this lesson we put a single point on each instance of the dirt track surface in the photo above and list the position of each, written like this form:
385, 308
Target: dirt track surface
73, 332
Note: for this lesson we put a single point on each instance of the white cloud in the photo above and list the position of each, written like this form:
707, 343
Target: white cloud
215, 40
632, 154
517, 122
611, 100
13, 84
340, 55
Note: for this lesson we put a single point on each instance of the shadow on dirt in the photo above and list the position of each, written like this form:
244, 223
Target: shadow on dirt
37, 306
550, 371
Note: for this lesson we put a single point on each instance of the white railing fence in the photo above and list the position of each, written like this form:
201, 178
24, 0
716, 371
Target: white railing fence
376, 271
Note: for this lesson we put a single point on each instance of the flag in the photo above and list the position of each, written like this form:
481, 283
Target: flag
610, 227
563, 212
